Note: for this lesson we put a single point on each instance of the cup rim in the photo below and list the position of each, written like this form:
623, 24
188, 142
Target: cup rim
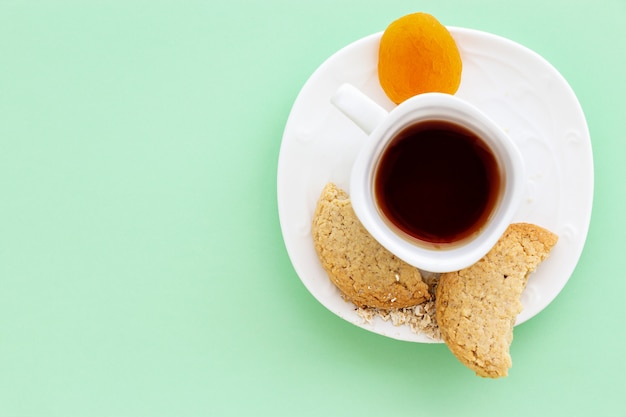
444, 107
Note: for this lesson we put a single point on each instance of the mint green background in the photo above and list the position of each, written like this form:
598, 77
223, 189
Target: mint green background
142, 268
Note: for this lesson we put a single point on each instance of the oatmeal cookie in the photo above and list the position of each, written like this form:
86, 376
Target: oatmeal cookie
365, 272
476, 307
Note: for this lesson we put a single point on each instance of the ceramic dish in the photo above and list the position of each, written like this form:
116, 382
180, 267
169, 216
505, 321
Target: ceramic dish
515, 86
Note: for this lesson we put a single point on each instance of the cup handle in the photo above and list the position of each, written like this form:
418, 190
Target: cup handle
358, 107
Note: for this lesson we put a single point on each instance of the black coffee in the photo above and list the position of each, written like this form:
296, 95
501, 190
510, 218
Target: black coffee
437, 181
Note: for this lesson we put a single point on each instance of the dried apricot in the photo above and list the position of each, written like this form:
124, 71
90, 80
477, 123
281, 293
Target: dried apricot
417, 55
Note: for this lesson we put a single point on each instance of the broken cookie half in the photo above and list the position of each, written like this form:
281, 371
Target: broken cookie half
476, 307
365, 272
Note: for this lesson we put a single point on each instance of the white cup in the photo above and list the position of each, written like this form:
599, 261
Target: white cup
383, 127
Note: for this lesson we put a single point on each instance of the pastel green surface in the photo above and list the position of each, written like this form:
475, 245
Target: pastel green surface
142, 267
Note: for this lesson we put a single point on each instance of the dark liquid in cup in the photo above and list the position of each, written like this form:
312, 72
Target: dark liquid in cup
437, 182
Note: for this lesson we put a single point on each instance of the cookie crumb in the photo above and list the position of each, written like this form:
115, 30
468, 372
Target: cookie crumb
421, 318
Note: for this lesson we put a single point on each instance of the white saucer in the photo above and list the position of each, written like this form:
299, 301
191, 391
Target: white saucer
519, 89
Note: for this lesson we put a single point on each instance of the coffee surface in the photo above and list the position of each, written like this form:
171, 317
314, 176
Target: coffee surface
437, 182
